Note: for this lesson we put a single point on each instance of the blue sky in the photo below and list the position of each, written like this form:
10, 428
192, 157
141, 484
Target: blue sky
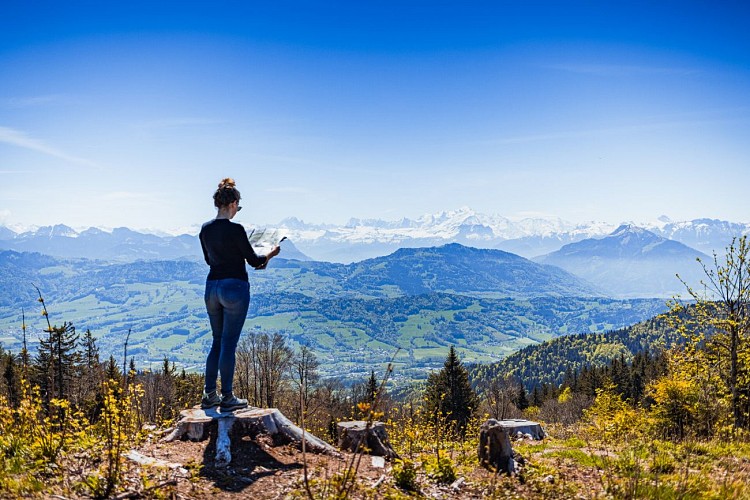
129, 115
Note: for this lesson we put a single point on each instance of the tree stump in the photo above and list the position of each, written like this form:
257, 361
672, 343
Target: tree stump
519, 428
495, 451
195, 424
352, 437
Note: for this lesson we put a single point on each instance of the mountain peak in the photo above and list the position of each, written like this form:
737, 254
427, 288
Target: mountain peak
632, 229
56, 230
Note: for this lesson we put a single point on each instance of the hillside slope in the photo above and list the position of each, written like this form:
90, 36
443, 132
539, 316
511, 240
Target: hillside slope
547, 362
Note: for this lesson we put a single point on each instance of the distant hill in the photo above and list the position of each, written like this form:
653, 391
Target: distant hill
449, 269
120, 244
631, 262
547, 362
455, 268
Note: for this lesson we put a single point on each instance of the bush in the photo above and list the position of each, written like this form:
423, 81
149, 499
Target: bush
405, 475
440, 469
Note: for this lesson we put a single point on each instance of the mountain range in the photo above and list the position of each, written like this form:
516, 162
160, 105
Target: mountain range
626, 261
361, 239
631, 262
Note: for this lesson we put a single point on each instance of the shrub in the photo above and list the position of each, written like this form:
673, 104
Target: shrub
440, 469
405, 475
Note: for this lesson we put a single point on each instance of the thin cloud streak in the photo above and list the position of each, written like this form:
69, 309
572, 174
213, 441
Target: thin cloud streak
167, 123
21, 140
123, 195
288, 190
30, 102
621, 69
581, 134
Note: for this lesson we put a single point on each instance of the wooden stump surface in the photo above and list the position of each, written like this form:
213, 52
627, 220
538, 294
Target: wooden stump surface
196, 424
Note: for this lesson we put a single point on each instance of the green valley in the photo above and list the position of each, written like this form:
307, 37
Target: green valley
354, 317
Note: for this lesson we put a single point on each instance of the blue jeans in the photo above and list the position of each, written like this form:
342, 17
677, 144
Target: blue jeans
227, 302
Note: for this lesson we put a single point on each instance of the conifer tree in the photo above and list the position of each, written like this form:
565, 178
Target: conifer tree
90, 351
536, 397
57, 360
10, 377
112, 369
449, 394
522, 400
372, 388
87, 392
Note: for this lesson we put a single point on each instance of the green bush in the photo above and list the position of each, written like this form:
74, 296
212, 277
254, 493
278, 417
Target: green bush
441, 470
405, 475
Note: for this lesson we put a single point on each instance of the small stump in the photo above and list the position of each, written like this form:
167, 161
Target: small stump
495, 451
195, 424
519, 428
352, 437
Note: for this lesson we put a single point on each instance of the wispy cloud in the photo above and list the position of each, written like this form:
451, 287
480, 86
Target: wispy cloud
166, 123
21, 140
31, 101
597, 132
123, 195
620, 70
288, 190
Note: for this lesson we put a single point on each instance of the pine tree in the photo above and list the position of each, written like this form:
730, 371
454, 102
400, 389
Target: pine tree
57, 361
90, 351
536, 397
372, 388
449, 394
112, 369
522, 401
87, 392
10, 377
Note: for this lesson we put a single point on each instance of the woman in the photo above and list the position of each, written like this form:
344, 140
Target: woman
226, 249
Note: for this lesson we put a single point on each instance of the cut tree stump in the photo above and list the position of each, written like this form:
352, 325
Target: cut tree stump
352, 433
195, 424
519, 428
495, 451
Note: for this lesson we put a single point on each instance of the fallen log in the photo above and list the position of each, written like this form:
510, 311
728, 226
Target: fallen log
195, 424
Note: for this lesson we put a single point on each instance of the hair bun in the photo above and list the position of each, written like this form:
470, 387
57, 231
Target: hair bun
227, 182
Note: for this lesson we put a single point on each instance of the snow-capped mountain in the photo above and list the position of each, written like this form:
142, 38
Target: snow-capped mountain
706, 235
631, 262
360, 239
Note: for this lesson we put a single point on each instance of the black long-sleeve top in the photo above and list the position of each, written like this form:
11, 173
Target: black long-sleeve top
226, 249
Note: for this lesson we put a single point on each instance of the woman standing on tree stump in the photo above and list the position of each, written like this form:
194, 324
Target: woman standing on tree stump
226, 249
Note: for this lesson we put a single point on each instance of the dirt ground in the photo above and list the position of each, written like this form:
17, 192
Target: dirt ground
260, 470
